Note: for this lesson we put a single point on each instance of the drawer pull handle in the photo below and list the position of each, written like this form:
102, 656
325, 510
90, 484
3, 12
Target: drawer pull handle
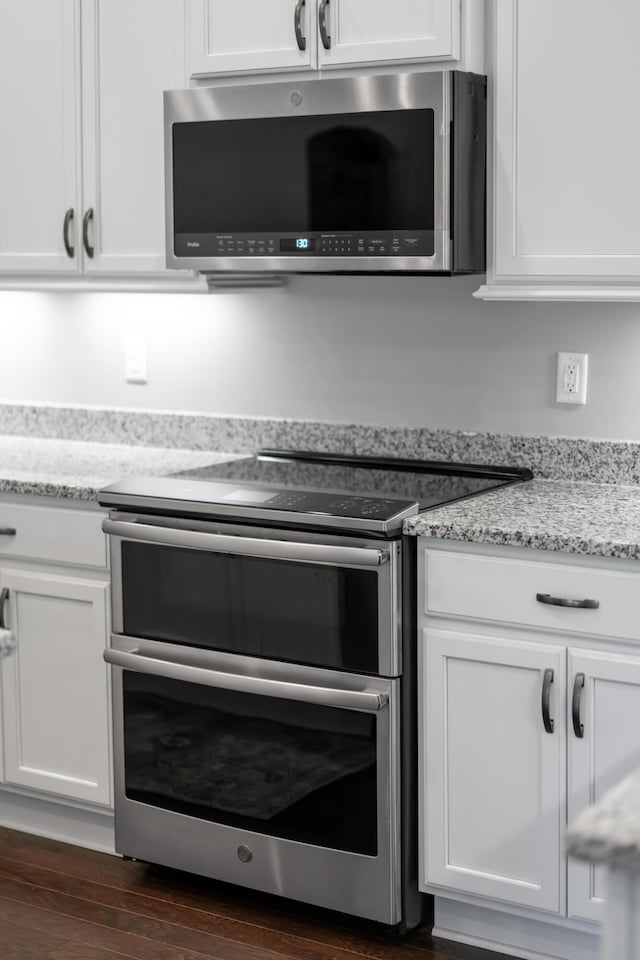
546, 693
4, 596
578, 686
8, 531
565, 602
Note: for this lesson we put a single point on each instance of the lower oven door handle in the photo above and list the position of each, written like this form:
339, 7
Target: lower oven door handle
366, 701
248, 546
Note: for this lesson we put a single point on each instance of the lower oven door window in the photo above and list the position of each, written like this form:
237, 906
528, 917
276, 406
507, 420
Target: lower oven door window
288, 769
278, 749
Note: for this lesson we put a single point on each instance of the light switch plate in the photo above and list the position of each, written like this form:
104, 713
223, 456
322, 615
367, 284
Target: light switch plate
571, 382
135, 359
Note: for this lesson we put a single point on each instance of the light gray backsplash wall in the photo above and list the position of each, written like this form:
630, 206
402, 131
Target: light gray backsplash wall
415, 351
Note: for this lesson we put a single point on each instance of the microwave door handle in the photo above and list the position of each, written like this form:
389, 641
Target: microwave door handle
365, 701
248, 546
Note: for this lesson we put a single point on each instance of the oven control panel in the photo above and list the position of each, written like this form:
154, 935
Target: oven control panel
310, 502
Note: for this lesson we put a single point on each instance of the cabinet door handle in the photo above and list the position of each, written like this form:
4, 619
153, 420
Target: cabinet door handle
546, 693
88, 217
69, 247
564, 602
578, 686
322, 23
297, 23
4, 596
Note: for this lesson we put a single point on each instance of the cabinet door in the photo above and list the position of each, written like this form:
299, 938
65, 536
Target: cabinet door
492, 778
566, 183
368, 31
55, 711
39, 124
229, 36
133, 51
608, 708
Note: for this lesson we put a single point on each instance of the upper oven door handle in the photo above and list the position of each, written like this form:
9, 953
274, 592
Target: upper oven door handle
247, 546
366, 701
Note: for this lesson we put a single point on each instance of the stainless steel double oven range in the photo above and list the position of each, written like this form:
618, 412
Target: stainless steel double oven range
264, 683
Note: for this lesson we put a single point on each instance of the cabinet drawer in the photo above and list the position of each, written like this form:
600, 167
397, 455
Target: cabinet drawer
52, 535
488, 588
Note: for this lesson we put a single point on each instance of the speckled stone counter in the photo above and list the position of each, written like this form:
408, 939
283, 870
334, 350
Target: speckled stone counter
609, 831
76, 469
601, 520
563, 458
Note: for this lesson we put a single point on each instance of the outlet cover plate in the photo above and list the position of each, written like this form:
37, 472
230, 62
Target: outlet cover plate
571, 382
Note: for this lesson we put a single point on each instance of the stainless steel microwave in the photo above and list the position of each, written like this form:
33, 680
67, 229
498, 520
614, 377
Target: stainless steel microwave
363, 175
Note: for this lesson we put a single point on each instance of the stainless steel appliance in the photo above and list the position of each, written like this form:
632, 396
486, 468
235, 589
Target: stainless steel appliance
382, 174
263, 656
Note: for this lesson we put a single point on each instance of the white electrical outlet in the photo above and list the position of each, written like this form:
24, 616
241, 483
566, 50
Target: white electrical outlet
571, 383
135, 359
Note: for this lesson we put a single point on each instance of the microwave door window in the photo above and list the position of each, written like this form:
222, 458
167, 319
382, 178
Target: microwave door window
297, 175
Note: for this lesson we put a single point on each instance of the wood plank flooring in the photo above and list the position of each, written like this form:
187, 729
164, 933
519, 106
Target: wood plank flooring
60, 902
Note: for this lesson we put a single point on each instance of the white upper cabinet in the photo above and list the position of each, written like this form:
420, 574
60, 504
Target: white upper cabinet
81, 113
39, 120
227, 37
133, 50
565, 185
370, 31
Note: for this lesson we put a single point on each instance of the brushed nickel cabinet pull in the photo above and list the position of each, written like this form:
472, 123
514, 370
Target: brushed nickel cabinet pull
564, 602
4, 596
546, 693
301, 40
88, 217
69, 247
578, 686
322, 22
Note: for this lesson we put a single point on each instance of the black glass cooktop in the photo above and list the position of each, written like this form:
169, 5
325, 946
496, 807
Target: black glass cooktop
350, 485
429, 483
299, 488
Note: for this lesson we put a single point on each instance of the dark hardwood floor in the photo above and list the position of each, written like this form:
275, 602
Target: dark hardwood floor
60, 902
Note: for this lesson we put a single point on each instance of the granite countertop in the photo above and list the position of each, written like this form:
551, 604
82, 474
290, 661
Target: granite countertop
77, 469
571, 516
596, 519
609, 831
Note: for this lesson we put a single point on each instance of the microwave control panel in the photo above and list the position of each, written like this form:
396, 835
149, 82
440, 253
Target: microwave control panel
418, 243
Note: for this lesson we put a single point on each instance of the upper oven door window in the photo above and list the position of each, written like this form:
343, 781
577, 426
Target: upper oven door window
312, 603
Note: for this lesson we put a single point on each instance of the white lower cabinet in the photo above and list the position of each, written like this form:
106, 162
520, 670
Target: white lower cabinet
604, 747
494, 787
499, 781
54, 703
54, 687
